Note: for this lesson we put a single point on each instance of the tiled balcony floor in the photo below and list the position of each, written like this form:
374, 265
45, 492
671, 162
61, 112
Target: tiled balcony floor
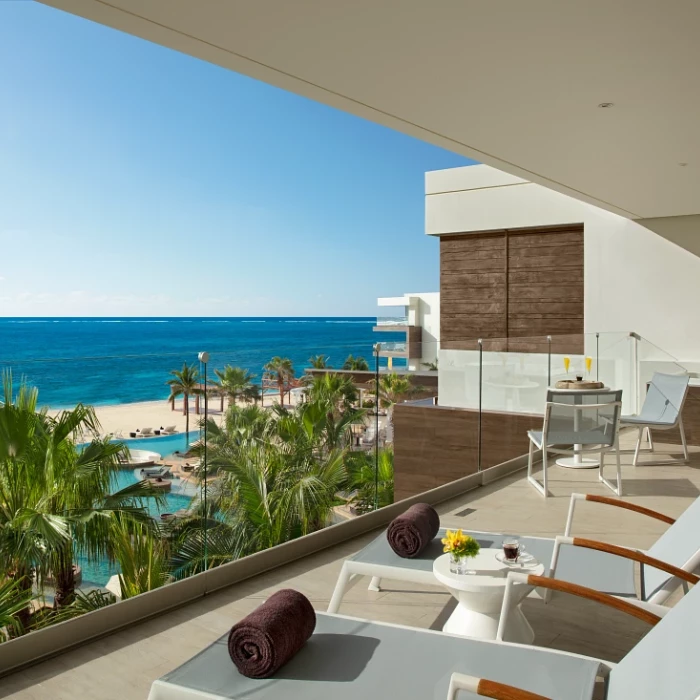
123, 665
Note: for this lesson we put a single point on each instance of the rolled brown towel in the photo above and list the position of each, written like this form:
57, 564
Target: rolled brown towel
261, 643
409, 534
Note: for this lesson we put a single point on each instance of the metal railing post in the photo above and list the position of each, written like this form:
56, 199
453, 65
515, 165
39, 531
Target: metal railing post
635, 371
549, 360
204, 359
377, 349
481, 367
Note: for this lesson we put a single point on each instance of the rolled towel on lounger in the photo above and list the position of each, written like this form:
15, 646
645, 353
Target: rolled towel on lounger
261, 643
409, 534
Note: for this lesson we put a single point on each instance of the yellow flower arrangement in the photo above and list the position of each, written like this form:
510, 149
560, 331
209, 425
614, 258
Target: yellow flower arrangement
459, 544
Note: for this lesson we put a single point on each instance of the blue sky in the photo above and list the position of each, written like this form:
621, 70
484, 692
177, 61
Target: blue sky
138, 181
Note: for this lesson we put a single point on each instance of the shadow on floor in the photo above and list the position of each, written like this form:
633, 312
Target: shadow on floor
679, 488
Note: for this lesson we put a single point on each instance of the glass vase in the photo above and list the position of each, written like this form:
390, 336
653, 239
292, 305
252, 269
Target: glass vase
458, 564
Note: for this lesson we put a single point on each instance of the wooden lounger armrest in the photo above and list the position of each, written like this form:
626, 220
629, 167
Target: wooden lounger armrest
632, 554
488, 689
556, 584
629, 506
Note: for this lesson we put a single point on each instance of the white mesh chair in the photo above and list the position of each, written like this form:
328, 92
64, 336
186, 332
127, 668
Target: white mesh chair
576, 423
661, 410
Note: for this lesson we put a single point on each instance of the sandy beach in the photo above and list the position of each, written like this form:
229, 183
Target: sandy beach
122, 419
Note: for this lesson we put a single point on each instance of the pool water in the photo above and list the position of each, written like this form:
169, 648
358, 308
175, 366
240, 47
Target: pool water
98, 573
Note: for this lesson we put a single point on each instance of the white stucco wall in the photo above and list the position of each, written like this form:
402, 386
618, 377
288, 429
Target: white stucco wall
634, 280
421, 309
428, 317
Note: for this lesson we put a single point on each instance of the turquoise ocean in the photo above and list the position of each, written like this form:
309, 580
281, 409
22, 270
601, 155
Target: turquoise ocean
100, 361
121, 360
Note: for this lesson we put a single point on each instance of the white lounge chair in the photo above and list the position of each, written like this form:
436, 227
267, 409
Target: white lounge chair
661, 410
348, 658
146, 432
597, 565
170, 429
586, 420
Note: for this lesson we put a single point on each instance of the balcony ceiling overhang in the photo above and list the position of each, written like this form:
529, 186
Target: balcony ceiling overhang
516, 85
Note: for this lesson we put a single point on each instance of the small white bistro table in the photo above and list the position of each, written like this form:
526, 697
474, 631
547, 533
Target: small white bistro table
578, 461
480, 596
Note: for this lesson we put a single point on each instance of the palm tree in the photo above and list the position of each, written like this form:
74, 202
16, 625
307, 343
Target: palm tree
185, 383
234, 382
143, 558
358, 364
392, 389
281, 370
336, 389
363, 477
14, 600
319, 361
54, 499
278, 473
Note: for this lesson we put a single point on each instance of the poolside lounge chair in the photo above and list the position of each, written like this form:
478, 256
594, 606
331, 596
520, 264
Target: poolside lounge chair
661, 410
145, 432
170, 429
348, 658
586, 420
597, 565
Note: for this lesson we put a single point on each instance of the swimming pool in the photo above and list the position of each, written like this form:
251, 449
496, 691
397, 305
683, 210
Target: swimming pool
163, 444
98, 573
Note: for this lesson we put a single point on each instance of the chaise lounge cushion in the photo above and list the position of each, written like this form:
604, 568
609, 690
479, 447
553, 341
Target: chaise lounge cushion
347, 659
586, 567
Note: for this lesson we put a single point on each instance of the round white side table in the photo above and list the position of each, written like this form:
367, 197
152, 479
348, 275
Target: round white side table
578, 461
480, 596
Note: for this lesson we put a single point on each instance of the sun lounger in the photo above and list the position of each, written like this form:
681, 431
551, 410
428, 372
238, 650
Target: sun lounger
153, 472
347, 658
145, 432
170, 429
603, 567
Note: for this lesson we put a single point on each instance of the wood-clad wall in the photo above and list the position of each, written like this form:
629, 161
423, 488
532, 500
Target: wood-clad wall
434, 445
511, 284
473, 301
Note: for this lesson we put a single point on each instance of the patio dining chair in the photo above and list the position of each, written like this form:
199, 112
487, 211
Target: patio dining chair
661, 410
348, 658
588, 421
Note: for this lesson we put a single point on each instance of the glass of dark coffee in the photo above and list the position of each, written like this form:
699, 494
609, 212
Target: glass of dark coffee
511, 549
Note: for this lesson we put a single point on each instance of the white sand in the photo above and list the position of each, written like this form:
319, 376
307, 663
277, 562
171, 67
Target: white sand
122, 419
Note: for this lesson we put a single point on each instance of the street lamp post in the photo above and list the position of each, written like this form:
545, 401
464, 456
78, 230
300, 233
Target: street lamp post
377, 350
204, 360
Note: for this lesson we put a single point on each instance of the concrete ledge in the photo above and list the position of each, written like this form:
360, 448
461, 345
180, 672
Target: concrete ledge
56, 639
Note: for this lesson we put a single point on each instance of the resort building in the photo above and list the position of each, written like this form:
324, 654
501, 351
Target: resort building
571, 253
414, 319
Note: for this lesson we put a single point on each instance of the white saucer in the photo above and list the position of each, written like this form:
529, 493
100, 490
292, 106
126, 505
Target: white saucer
523, 560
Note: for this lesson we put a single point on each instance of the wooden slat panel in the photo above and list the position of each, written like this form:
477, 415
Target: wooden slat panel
540, 240
536, 276
535, 252
555, 261
572, 292
435, 445
512, 284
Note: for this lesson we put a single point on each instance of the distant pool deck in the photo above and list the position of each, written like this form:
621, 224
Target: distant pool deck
165, 445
